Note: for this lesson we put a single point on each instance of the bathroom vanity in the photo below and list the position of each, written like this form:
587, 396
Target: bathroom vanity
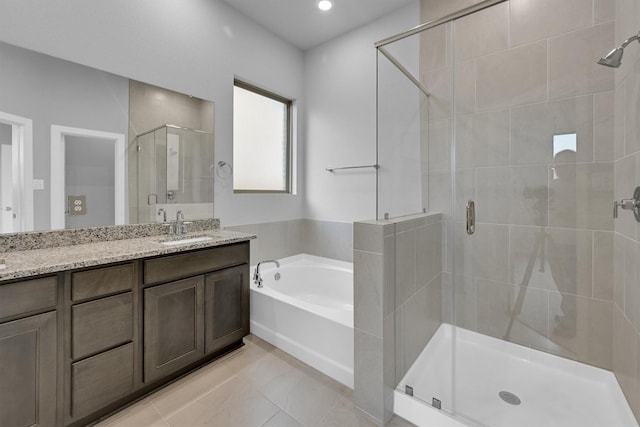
86, 329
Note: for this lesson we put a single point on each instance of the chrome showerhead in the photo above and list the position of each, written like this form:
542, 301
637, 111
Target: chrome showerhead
614, 58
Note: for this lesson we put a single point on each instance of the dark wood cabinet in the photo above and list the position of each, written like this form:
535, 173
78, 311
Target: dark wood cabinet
226, 307
28, 364
173, 326
79, 344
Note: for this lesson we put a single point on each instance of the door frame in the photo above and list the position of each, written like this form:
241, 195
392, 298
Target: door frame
58, 134
22, 165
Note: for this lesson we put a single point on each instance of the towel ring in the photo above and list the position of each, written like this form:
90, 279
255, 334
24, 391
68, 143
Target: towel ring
223, 170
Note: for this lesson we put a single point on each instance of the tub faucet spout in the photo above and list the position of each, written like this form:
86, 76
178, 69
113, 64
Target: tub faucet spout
257, 279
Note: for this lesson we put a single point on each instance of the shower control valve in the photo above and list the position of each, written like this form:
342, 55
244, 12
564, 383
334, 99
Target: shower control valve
629, 204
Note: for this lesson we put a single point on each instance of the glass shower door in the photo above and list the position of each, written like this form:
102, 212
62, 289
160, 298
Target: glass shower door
532, 150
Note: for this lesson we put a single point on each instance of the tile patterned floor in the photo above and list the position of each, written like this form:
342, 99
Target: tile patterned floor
257, 385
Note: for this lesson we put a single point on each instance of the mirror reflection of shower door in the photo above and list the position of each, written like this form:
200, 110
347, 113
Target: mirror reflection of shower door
6, 190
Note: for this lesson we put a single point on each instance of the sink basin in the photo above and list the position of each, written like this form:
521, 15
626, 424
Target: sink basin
186, 240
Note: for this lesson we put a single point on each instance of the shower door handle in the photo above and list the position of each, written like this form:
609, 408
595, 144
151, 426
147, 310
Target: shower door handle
471, 217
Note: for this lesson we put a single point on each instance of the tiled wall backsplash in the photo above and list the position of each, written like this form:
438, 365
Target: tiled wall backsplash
314, 237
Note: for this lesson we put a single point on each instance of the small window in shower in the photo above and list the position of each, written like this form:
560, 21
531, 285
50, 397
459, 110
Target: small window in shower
261, 140
565, 142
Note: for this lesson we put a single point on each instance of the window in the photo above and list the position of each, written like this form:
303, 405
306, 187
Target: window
261, 140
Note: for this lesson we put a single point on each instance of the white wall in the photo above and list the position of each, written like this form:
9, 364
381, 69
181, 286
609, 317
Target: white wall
195, 47
340, 82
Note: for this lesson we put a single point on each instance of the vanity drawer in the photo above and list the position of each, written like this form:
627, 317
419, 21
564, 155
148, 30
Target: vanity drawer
102, 281
100, 380
27, 296
188, 264
101, 324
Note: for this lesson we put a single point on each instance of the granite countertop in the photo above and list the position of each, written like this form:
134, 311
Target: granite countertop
21, 264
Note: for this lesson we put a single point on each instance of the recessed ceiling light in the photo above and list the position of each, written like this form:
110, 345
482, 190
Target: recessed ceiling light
325, 5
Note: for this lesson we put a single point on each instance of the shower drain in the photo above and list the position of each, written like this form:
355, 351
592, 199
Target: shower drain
509, 397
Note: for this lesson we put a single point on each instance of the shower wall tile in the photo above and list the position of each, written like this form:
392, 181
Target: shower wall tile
434, 9
625, 181
581, 329
619, 119
369, 237
465, 191
540, 19
625, 359
533, 128
486, 254
513, 77
604, 126
482, 33
618, 270
632, 109
482, 139
434, 45
272, 240
439, 145
515, 313
604, 10
465, 87
603, 265
553, 259
439, 192
464, 292
438, 83
631, 283
368, 374
572, 68
368, 290
414, 327
581, 196
512, 195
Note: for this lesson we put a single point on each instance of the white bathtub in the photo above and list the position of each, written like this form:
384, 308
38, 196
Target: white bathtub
308, 312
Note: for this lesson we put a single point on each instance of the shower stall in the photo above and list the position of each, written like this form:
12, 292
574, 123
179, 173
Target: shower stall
496, 141
174, 171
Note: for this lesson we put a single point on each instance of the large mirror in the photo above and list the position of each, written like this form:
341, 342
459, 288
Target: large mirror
80, 147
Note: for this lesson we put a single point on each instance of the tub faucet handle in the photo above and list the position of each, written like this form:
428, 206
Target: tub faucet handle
257, 279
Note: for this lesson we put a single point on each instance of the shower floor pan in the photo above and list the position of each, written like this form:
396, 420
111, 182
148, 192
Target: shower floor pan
493, 375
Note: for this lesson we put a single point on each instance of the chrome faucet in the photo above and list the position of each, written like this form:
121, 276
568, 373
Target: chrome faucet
257, 279
180, 226
164, 214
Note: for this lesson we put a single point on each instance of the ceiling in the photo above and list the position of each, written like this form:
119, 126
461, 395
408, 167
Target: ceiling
302, 24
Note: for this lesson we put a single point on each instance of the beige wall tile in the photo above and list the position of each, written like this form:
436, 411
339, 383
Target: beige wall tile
512, 195
368, 374
632, 110
439, 191
581, 327
533, 128
465, 191
484, 254
438, 83
567, 254
603, 264
625, 181
434, 9
482, 139
482, 33
337, 240
439, 142
498, 302
620, 97
513, 77
632, 282
539, 19
626, 26
618, 270
465, 87
434, 45
604, 10
405, 266
581, 196
428, 253
573, 70
625, 359
604, 125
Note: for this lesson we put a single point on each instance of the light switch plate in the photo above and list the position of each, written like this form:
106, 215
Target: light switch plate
38, 184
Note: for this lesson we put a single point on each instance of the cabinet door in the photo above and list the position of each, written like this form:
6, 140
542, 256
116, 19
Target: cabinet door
173, 326
226, 307
28, 371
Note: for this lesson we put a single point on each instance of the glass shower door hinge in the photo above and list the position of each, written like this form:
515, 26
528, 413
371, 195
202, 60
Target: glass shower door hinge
408, 390
436, 403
